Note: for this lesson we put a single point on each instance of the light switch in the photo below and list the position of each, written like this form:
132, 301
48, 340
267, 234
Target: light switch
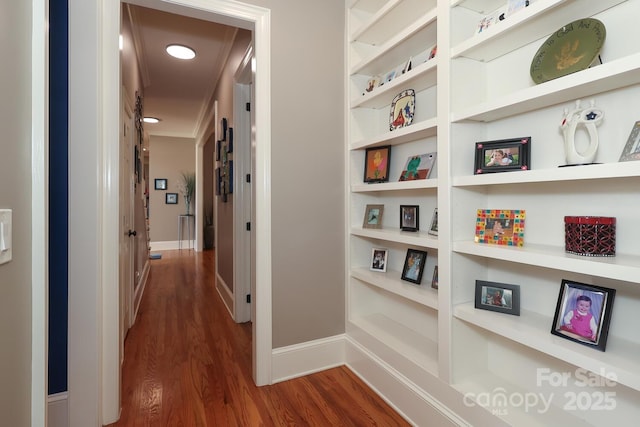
5, 235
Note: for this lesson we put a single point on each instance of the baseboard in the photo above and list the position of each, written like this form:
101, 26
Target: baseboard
306, 358
140, 290
416, 405
225, 294
171, 245
58, 410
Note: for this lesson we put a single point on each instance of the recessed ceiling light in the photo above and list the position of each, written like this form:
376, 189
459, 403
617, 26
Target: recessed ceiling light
180, 51
150, 120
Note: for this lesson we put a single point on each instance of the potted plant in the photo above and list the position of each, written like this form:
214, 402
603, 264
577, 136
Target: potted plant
187, 186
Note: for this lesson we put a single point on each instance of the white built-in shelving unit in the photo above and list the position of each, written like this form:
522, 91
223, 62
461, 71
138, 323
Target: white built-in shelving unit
433, 343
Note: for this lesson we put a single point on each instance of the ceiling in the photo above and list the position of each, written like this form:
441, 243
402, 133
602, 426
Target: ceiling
178, 92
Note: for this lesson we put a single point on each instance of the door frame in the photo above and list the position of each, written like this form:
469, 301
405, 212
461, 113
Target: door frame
94, 85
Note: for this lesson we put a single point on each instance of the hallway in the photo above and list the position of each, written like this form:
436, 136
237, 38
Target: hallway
188, 364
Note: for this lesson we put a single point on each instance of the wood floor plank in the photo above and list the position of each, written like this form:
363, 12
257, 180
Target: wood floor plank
188, 364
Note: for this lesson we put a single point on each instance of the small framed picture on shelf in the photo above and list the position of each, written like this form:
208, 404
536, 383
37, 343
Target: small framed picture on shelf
500, 227
500, 297
171, 199
409, 217
433, 228
379, 259
631, 149
414, 266
418, 167
434, 280
503, 156
160, 184
583, 313
373, 216
377, 162
372, 83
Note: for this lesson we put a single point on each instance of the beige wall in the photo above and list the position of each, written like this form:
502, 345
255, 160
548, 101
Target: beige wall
307, 181
15, 193
170, 156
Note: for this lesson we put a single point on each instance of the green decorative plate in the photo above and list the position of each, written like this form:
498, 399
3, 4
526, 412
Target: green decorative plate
572, 48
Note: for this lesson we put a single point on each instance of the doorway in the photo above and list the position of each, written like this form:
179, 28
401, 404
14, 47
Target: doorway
94, 336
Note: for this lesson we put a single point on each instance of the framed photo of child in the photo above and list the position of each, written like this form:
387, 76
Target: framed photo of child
414, 266
583, 313
500, 297
379, 259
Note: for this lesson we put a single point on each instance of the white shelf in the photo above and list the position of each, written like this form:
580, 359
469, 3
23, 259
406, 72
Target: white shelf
606, 77
389, 19
620, 267
398, 49
577, 173
540, 19
401, 339
395, 186
391, 282
480, 384
413, 132
419, 78
534, 331
422, 239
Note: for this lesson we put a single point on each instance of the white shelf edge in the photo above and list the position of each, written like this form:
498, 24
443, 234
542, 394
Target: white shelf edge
620, 267
601, 171
424, 75
375, 19
411, 30
602, 78
533, 330
400, 339
421, 239
391, 282
395, 186
415, 131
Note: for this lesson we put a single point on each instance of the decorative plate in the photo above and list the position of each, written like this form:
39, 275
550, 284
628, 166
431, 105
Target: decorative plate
402, 109
572, 48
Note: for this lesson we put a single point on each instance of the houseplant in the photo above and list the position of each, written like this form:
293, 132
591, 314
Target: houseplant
187, 186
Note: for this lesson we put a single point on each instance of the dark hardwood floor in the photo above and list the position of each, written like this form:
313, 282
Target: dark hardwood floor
188, 364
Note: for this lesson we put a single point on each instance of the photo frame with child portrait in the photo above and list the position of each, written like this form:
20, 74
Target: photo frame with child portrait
500, 227
377, 162
500, 297
503, 155
409, 217
379, 260
414, 264
583, 313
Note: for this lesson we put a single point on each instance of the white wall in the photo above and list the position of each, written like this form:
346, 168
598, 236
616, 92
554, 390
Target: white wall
15, 193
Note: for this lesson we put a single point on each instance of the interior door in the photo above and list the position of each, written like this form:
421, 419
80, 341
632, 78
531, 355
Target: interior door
127, 182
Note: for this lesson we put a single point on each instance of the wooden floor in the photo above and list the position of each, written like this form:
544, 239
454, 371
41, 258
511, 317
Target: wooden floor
188, 364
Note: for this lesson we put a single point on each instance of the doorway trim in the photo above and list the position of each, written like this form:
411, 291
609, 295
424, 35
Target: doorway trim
94, 377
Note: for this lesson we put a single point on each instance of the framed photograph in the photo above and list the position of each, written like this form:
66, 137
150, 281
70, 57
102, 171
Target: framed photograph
631, 150
500, 297
171, 198
434, 281
373, 216
409, 217
230, 142
372, 83
379, 259
218, 177
223, 129
418, 167
377, 163
500, 227
414, 266
503, 156
218, 147
583, 313
160, 183
433, 228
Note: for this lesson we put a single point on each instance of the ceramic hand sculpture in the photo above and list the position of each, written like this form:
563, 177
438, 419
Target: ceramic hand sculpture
589, 118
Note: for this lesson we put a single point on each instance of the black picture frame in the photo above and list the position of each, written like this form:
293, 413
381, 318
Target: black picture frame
223, 129
171, 198
434, 280
503, 155
414, 264
230, 141
499, 297
377, 162
409, 217
218, 147
599, 303
160, 184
